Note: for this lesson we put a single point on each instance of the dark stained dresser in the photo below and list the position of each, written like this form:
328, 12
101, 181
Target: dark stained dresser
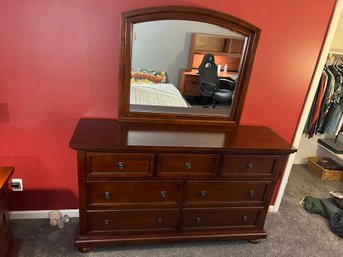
8, 245
150, 183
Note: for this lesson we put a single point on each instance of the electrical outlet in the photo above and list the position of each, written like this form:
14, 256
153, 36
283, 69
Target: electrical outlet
17, 184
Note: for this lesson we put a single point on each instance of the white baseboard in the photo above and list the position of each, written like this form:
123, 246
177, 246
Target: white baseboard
42, 214
271, 208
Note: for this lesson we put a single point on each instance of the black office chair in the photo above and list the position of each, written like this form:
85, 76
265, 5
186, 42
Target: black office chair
218, 91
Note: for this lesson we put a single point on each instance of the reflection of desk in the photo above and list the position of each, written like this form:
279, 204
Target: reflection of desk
189, 81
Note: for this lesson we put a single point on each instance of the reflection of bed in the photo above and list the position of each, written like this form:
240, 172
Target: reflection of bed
159, 94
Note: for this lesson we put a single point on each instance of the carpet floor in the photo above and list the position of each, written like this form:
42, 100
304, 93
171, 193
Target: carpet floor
291, 232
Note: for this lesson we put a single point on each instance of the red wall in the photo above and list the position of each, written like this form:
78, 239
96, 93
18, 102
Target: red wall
59, 62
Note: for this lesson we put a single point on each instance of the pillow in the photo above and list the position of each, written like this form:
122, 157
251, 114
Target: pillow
146, 76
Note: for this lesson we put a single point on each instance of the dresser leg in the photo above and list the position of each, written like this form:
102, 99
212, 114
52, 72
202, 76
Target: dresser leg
84, 249
253, 241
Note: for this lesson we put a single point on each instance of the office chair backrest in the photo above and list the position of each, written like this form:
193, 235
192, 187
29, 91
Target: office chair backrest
208, 70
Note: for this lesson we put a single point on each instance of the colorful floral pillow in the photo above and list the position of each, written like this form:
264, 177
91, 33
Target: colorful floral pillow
146, 76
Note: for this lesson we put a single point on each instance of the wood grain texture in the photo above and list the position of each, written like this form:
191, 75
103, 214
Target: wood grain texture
130, 18
177, 183
8, 244
108, 134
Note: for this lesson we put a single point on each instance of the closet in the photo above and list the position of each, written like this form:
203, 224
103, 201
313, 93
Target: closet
322, 133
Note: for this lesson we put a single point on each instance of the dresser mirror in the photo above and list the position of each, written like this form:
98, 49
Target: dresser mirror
184, 65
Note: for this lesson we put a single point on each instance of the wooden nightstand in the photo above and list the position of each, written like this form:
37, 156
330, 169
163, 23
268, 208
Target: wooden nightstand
8, 244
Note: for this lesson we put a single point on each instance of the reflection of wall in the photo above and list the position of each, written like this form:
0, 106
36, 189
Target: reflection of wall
165, 45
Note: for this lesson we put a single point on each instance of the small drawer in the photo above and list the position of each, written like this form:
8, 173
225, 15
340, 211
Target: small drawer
191, 85
184, 165
214, 219
248, 165
126, 221
120, 164
134, 193
225, 193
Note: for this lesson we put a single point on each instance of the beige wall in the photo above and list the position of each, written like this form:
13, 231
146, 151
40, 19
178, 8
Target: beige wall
337, 43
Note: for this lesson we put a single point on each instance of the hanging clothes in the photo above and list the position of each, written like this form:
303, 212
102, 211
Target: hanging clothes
326, 114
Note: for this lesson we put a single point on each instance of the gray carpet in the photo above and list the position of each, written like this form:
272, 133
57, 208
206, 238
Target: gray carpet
291, 232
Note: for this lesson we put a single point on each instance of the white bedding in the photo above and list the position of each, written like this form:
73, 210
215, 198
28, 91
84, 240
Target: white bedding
163, 94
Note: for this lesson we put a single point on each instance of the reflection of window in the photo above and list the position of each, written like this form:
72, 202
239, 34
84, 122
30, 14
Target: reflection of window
215, 139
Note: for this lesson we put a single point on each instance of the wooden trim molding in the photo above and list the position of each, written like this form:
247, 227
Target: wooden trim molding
130, 18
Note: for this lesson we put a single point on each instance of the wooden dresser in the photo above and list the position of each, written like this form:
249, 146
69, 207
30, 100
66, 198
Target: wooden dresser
166, 183
8, 244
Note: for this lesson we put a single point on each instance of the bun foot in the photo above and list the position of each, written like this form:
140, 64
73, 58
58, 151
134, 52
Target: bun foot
253, 241
84, 249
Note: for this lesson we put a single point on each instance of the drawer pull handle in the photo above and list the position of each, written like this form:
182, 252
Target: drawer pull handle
252, 193
107, 222
188, 165
250, 166
202, 193
121, 165
159, 221
107, 195
197, 220
163, 194
244, 219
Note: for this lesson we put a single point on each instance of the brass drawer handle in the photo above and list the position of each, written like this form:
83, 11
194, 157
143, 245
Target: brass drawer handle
188, 165
163, 194
121, 165
159, 221
252, 193
202, 194
107, 222
197, 220
244, 219
107, 195
250, 166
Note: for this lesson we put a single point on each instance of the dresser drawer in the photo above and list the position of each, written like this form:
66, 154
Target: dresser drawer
221, 193
191, 86
134, 193
247, 165
123, 221
120, 164
183, 165
229, 218
4, 242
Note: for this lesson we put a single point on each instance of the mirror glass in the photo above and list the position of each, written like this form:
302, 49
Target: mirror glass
165, 73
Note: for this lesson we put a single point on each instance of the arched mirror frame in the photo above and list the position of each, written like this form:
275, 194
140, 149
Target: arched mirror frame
192, 14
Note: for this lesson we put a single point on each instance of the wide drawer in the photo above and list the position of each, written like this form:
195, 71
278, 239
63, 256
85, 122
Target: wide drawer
229, 218
134, 193
219, 193
124, 221
247, 165
184, 165
120, 164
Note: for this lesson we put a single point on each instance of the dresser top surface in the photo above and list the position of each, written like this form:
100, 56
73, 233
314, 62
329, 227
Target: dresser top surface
5, 173
109, 134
